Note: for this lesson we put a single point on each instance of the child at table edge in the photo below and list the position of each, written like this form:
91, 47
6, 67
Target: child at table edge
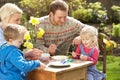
88, 51
13, 65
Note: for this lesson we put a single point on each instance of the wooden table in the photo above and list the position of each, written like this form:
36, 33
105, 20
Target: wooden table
76, 71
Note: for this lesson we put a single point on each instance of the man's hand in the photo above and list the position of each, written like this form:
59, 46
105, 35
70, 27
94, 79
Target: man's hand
76, 40
52, 49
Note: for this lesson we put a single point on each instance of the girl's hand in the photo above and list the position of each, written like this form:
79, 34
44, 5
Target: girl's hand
83, 57
74, 54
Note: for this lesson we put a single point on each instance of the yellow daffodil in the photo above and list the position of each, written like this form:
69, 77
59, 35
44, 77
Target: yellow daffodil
34, 20
28, 45
107, 42
114, 43
40, 33
30, 37
27, 36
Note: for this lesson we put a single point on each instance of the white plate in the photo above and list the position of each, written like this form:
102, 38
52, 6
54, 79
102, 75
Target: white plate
59, 57
58, 64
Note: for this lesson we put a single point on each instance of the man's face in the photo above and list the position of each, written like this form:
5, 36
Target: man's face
59, 17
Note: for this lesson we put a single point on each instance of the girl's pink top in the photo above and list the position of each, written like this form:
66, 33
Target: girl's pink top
94, 56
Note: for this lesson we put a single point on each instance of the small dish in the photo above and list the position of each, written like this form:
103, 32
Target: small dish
59, 57
44, 56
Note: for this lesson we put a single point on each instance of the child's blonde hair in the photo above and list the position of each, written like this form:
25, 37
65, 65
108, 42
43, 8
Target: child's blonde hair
92, 32
7, 10
14, 31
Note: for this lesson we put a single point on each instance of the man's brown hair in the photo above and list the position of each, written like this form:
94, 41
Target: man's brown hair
58, 5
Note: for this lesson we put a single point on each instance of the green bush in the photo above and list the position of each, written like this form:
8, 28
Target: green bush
83, 14
93, 12
116, 30
116, 13
39, 8
35, 8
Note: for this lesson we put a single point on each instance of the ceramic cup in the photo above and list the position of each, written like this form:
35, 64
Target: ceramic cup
45, 57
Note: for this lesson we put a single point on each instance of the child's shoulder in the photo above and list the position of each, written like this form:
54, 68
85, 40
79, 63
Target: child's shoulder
96, 49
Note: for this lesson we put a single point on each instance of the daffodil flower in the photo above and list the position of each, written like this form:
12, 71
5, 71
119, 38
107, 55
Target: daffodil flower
27, 36
107, 42
114, 43
28, 45
110, 43
34, 20
40, 33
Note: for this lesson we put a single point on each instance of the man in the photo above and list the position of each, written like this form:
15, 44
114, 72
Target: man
60, 30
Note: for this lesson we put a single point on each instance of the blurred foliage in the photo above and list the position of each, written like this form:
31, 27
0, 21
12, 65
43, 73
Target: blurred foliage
35, 7
116, 13
75, 5
40, 8
2, 2
115, 8
92, 12
79, 9
116, 30
84, 15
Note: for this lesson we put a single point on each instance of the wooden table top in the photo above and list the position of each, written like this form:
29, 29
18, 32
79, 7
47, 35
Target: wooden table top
73, 65
77, 69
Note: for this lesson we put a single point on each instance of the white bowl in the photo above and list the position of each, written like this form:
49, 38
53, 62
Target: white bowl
44, 56
59, 57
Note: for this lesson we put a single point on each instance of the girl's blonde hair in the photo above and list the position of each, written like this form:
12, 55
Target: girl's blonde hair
7, 10
14, 31
92, 32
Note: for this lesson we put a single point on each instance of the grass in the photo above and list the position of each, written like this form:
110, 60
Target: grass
113, 68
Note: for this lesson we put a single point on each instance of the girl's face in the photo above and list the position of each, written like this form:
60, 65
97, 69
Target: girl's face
87, 41
15, 18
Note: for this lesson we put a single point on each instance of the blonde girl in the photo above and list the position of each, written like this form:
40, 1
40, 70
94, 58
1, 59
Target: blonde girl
89, 51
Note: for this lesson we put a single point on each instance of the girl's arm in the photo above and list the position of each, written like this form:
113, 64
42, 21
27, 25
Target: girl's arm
94, 57
76, 54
